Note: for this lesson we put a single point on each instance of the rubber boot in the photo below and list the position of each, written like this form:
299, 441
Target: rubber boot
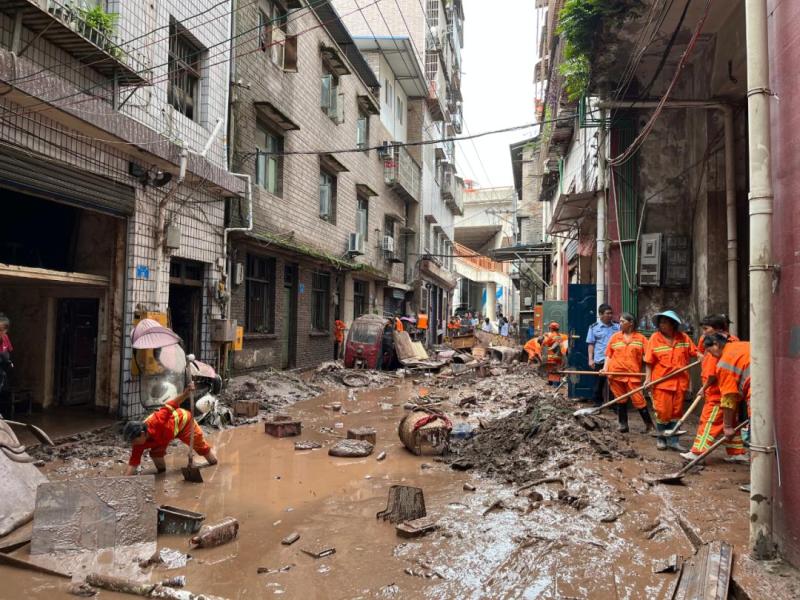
622, 418
661, 443
647, 419
673, 443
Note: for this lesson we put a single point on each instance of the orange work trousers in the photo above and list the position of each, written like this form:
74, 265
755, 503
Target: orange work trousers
620, 387
710, 429
551, 368
200, 445
668, 404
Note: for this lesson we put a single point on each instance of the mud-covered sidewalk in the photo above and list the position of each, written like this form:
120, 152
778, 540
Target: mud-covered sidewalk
559, 507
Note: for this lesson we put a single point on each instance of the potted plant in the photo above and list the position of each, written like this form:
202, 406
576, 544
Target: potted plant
102, 24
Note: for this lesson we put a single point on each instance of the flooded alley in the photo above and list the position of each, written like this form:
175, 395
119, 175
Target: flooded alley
574, 520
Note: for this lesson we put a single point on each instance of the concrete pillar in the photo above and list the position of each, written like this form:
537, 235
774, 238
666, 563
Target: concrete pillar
346, 300
490, 306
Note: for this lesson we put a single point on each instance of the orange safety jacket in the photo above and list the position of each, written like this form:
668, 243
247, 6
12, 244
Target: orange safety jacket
398, 325
709, 369
533, 348
422, 321
625, 356
733, 373
339, 328
163, 426
557, 342
665, 357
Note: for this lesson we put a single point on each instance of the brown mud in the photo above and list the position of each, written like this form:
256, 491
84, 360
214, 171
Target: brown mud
589, 527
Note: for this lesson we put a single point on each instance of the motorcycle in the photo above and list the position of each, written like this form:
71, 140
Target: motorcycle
161, 363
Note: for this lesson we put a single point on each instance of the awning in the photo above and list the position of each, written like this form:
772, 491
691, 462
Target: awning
399, 52
364, 190
521, 252
398, 286
570, 210
330, 162
268, 111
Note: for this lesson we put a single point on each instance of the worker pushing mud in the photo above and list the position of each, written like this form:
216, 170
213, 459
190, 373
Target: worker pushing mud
733, 376
668, 350
159, 429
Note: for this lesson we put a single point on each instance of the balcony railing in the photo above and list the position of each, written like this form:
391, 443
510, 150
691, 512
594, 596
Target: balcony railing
402, 173
65, 25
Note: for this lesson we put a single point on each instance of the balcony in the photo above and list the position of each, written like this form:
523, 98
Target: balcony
453, 192
67, 27
401, 173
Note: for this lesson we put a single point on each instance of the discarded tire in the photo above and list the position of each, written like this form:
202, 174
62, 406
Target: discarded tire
425, 433
351, 449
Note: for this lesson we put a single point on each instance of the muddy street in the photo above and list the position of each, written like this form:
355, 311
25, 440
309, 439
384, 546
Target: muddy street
559, 509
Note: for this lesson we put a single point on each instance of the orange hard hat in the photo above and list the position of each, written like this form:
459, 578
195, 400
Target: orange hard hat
554, 325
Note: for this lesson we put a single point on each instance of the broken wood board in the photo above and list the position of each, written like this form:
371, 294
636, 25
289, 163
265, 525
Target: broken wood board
20, 481
485, 338
416, 528
707, 574
406, 349
405, 503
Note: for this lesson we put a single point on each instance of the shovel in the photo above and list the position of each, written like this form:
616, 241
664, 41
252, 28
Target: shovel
596, 409
674, 431
190, 471
677, 477
601, 373
40, 435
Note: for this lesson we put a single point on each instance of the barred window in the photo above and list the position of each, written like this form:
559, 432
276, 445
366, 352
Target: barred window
260, 294
320, 301
184, 63
360, 290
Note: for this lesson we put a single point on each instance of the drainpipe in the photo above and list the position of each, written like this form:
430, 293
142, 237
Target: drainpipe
730, 210
762, 273
730, 188
227, 230
601, 213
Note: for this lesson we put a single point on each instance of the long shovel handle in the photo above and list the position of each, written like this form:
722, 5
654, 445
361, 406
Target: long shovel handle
704, 455
191, 416
689, 411
603, 374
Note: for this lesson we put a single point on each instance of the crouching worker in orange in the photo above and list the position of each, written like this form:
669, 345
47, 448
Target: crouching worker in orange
534, 351
668, 350
733, 377
159, 429
710, 426
555, 344
624, 354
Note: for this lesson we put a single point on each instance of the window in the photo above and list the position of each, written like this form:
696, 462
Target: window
388, 226
360, 290
438, 169
272, 30
362, 218
389, 93
362, 130
269, 162
183, 91
327, 196
428, 246
260, 294
400, 110
331, 101
320, 299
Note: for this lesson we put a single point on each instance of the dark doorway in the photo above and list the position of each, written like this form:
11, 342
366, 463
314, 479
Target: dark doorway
186, 302
581, 313
76, 351
289, 325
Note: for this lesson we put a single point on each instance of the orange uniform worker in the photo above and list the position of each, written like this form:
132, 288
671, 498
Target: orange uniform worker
159, 429
534, 350
556, 345
710, 427
624, 354
733, 375
338, 339
398, 324
667, 350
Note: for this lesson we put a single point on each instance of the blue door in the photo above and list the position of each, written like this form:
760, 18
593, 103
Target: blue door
581, 313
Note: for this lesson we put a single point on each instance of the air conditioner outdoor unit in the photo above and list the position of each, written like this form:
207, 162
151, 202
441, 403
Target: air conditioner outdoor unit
355, 244
238, 273
388, 243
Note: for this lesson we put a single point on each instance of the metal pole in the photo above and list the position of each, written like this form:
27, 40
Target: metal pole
761, 271
730, 210
601, 213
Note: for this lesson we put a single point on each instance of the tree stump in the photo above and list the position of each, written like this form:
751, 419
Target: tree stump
405, 504
363, 433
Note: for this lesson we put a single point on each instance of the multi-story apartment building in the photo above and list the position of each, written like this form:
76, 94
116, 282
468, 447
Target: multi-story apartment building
113, 179
433, 31
330, 206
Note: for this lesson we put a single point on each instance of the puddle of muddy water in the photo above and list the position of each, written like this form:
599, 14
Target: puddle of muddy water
550, 551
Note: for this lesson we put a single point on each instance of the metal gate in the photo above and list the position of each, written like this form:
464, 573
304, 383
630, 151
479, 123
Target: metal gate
582, 312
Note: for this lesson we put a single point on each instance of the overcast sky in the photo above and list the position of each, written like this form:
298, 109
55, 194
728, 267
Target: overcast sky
497, 84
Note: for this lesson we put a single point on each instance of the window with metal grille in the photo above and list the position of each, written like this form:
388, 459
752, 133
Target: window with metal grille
431, 65
327, 196
260, 294
360, 291
433, 13
320, 300
269, 162
362, 217
184, 65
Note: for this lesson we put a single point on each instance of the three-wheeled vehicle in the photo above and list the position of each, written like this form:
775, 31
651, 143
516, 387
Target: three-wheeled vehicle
364, 347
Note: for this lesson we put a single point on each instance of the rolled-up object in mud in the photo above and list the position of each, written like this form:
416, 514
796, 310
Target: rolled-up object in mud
351, 449
216, 534
425, 432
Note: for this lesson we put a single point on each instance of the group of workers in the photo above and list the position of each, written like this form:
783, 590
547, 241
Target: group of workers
625, 361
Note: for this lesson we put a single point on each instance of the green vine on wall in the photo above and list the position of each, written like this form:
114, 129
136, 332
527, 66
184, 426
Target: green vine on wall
579, 24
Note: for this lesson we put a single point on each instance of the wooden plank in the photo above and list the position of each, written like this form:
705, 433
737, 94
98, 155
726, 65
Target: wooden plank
403, 346
706, 576
50, 276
